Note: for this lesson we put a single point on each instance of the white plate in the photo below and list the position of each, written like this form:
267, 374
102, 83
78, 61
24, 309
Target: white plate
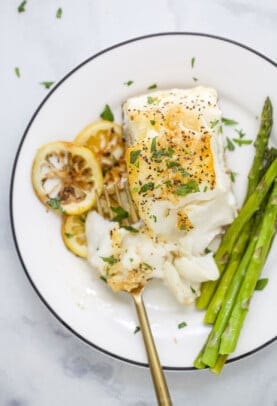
65, 283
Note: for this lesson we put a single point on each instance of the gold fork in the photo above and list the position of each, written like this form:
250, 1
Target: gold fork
123, 199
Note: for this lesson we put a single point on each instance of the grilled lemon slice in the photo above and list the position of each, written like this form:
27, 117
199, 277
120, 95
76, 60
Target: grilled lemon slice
66, 177
74, 236
104, 139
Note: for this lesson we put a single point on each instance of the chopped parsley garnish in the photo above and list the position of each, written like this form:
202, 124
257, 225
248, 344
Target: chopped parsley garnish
137, 329
261, 284
213, 123
154, 145
121, 214
220, 129
186, 188
129, 83
17, 72
192, 61
107, 113
240, 132
147, 266
59, 13
109, 260
152, 122
46, 84
55, 203
207, 250
146, 187
135, 189
130, 228
168, 183
241, 142
183, 172
230, 145
233, 176
228, 121
182, 325
103, 278
154, 86
21, 7
172, 164
159, 153
170, 152
152, 100
205, 189
134, 156
194, 79
193, 290
68, 235
153, 217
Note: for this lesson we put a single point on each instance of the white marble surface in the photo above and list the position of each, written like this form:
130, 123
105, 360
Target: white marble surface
41, 363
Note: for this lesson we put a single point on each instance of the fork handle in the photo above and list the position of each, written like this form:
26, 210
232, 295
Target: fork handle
160, 385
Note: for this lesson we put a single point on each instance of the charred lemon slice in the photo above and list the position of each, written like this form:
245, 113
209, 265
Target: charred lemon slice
104, 139
74, 236
66, 177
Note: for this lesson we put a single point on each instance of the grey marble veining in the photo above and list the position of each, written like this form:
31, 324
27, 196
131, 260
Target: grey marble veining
42, 363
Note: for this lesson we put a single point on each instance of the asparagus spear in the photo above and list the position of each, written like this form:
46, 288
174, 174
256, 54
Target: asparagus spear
217, 299
261, 143
250, 207
268, 230
211, 351
219, 364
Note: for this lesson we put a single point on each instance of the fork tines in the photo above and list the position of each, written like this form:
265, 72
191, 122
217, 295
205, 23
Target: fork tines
119, 197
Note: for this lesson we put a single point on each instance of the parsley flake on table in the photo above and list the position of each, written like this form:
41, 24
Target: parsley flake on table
182, 325
129, 83
195, 79
107, 113
233, 176
102, 277
261, 284
46, 84
192, 62
240, 132
17, 72
230, 145
21, 7
137, 329
228, 121
154, 86
121, 213
59, 13
240, 141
